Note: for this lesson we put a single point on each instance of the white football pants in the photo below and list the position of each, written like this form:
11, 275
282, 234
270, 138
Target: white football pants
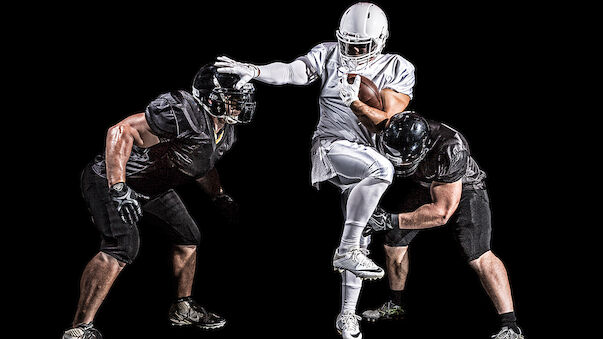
363, 175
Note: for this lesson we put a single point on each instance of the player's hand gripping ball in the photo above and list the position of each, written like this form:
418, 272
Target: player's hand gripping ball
368, 92
361, 88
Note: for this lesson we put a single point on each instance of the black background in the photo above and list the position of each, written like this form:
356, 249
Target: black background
477, 69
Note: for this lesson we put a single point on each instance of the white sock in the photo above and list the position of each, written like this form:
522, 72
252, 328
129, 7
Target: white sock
350, 291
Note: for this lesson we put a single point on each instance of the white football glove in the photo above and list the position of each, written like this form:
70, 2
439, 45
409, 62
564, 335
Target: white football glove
349, 92
245, 71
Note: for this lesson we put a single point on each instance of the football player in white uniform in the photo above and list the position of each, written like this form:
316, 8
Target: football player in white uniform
343, 149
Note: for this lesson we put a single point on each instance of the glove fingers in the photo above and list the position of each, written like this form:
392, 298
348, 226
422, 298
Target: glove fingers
125, 215
225, 59
140, 196
227, 69
131, 216
241, 83
138, 212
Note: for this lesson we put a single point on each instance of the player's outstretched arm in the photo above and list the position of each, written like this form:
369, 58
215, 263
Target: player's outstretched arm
446, 198
120, 139
276, 73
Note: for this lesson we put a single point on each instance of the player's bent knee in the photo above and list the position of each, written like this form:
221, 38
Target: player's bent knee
123, 251
185, 248
395, 255
121, 258
382, 169
479, 260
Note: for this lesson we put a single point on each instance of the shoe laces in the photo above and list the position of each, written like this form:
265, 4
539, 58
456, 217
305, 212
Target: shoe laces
349, 321
193, 306
79, 330
75, 332
360, 256
388, 307
506, 333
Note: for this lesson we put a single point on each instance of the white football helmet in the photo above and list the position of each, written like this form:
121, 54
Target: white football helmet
361, 35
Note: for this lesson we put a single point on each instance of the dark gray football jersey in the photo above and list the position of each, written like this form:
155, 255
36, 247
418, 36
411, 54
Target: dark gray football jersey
449, 159
188, 147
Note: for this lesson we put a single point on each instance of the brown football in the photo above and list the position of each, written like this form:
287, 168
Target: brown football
368, 93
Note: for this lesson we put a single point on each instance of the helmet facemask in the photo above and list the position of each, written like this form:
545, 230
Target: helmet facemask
405, 164
234, 106
356, 52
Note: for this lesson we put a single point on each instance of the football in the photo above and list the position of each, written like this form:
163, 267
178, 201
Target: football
368, 93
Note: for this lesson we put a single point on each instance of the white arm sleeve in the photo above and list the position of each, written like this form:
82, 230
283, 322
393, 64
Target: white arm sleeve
279, 73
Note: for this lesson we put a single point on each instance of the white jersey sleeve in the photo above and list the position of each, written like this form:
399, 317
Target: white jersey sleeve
316, 59
401, 76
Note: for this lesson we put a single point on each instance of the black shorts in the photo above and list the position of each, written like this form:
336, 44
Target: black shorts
470, 223
121, 240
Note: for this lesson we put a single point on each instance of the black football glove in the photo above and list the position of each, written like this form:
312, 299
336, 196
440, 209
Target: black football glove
227, 208
127, 202
380, 221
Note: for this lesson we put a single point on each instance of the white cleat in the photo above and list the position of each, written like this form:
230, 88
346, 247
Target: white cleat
356, 262
347, 325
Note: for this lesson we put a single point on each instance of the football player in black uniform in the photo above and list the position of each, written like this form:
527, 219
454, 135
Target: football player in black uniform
448, 188
177, 140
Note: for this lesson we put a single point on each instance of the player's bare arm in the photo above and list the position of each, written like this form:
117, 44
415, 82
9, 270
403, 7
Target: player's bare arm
133, 130
393, 102
445, 200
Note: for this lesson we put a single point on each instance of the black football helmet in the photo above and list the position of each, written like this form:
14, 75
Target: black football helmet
405, 142
217, 95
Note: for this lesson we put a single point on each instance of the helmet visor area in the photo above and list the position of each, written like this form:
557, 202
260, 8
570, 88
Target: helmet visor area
404, 156
232, 105
353, 46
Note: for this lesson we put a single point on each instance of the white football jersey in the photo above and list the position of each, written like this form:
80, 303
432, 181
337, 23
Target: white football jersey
337, 121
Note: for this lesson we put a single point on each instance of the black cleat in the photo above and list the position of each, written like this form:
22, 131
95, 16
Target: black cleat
508, 333
186, 312
387, 311
82, 331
